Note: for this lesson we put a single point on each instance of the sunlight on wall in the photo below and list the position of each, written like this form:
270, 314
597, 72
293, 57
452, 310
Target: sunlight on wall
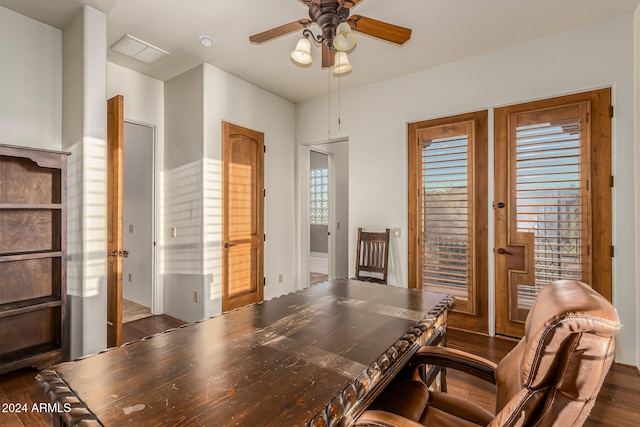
94, 226
161, 224
74, 220
212, 251
86, 218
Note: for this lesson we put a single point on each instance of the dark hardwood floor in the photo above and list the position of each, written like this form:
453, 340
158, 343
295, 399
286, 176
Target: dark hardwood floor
618, 403
20, 387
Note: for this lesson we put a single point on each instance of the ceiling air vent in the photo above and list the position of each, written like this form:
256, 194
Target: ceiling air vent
137, 49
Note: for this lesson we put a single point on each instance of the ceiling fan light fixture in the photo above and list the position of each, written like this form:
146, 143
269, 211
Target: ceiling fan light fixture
345, 38
342, 63
302, 53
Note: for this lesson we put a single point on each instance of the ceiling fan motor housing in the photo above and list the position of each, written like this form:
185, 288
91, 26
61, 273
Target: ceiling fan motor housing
328, 15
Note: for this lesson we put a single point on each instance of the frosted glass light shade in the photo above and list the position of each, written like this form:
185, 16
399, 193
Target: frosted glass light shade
302, 53
342, 63
345, 38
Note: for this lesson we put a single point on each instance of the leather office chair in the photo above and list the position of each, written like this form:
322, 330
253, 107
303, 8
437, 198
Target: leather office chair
551, 377
372, 255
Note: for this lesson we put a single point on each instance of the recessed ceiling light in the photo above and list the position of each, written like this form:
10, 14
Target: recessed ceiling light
138, 49
207, 41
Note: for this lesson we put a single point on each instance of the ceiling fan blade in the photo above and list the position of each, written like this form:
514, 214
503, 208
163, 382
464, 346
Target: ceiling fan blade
348, 4
328, 56
379, 29
273, 33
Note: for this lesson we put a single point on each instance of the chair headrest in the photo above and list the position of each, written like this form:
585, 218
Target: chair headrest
561, 310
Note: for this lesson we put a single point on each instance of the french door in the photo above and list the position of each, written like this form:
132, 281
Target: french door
552, 200
448, 213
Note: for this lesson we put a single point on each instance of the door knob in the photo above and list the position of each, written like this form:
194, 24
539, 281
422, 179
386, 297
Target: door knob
112, 254
228, 245
503, 251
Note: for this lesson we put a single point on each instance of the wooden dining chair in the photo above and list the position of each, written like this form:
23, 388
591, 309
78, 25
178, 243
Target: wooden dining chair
372, 255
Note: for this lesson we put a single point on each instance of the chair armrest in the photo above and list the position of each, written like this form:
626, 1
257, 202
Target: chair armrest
373, 418
451, 358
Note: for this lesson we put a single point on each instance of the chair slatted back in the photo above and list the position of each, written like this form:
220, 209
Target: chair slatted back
372, 254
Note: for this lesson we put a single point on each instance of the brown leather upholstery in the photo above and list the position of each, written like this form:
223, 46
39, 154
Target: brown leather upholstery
551, 378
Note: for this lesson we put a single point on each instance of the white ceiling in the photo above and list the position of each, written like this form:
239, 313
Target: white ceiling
443, 31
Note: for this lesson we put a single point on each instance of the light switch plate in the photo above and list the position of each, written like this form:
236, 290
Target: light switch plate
396, 232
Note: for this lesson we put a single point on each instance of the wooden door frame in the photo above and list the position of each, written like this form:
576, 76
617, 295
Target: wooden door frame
479, 322
229, 129
115, 135
600, 182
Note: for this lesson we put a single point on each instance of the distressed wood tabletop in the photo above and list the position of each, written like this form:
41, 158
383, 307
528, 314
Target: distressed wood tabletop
310, 358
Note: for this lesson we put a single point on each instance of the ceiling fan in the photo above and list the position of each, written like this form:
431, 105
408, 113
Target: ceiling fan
328, 15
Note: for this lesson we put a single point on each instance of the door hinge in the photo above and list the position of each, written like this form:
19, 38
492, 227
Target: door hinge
611, 182
264, 148
612, 251
611, 111
264, 236
264, 192
264, 281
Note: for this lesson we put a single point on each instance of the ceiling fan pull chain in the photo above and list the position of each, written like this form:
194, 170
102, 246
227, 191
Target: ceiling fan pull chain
339, 102
329, 102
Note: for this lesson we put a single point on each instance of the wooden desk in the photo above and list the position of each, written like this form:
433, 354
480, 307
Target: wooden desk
316, 357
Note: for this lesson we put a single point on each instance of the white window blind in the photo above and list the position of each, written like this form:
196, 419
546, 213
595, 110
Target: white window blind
549, 200
446, 256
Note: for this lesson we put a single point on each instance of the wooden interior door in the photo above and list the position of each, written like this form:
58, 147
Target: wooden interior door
243, 216
552, 200
448, 214
115, 191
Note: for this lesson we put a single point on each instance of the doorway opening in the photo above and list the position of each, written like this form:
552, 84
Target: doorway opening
319, 234
324, 211
138, 231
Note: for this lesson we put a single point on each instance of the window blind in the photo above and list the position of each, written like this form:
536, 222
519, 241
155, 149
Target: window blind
446, 260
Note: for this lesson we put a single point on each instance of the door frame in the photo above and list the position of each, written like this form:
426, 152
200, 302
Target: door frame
331, 241
302, 211
157, 293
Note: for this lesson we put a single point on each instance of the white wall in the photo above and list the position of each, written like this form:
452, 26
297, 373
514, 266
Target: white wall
182, 204
594, 56
30, 83
84, 131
